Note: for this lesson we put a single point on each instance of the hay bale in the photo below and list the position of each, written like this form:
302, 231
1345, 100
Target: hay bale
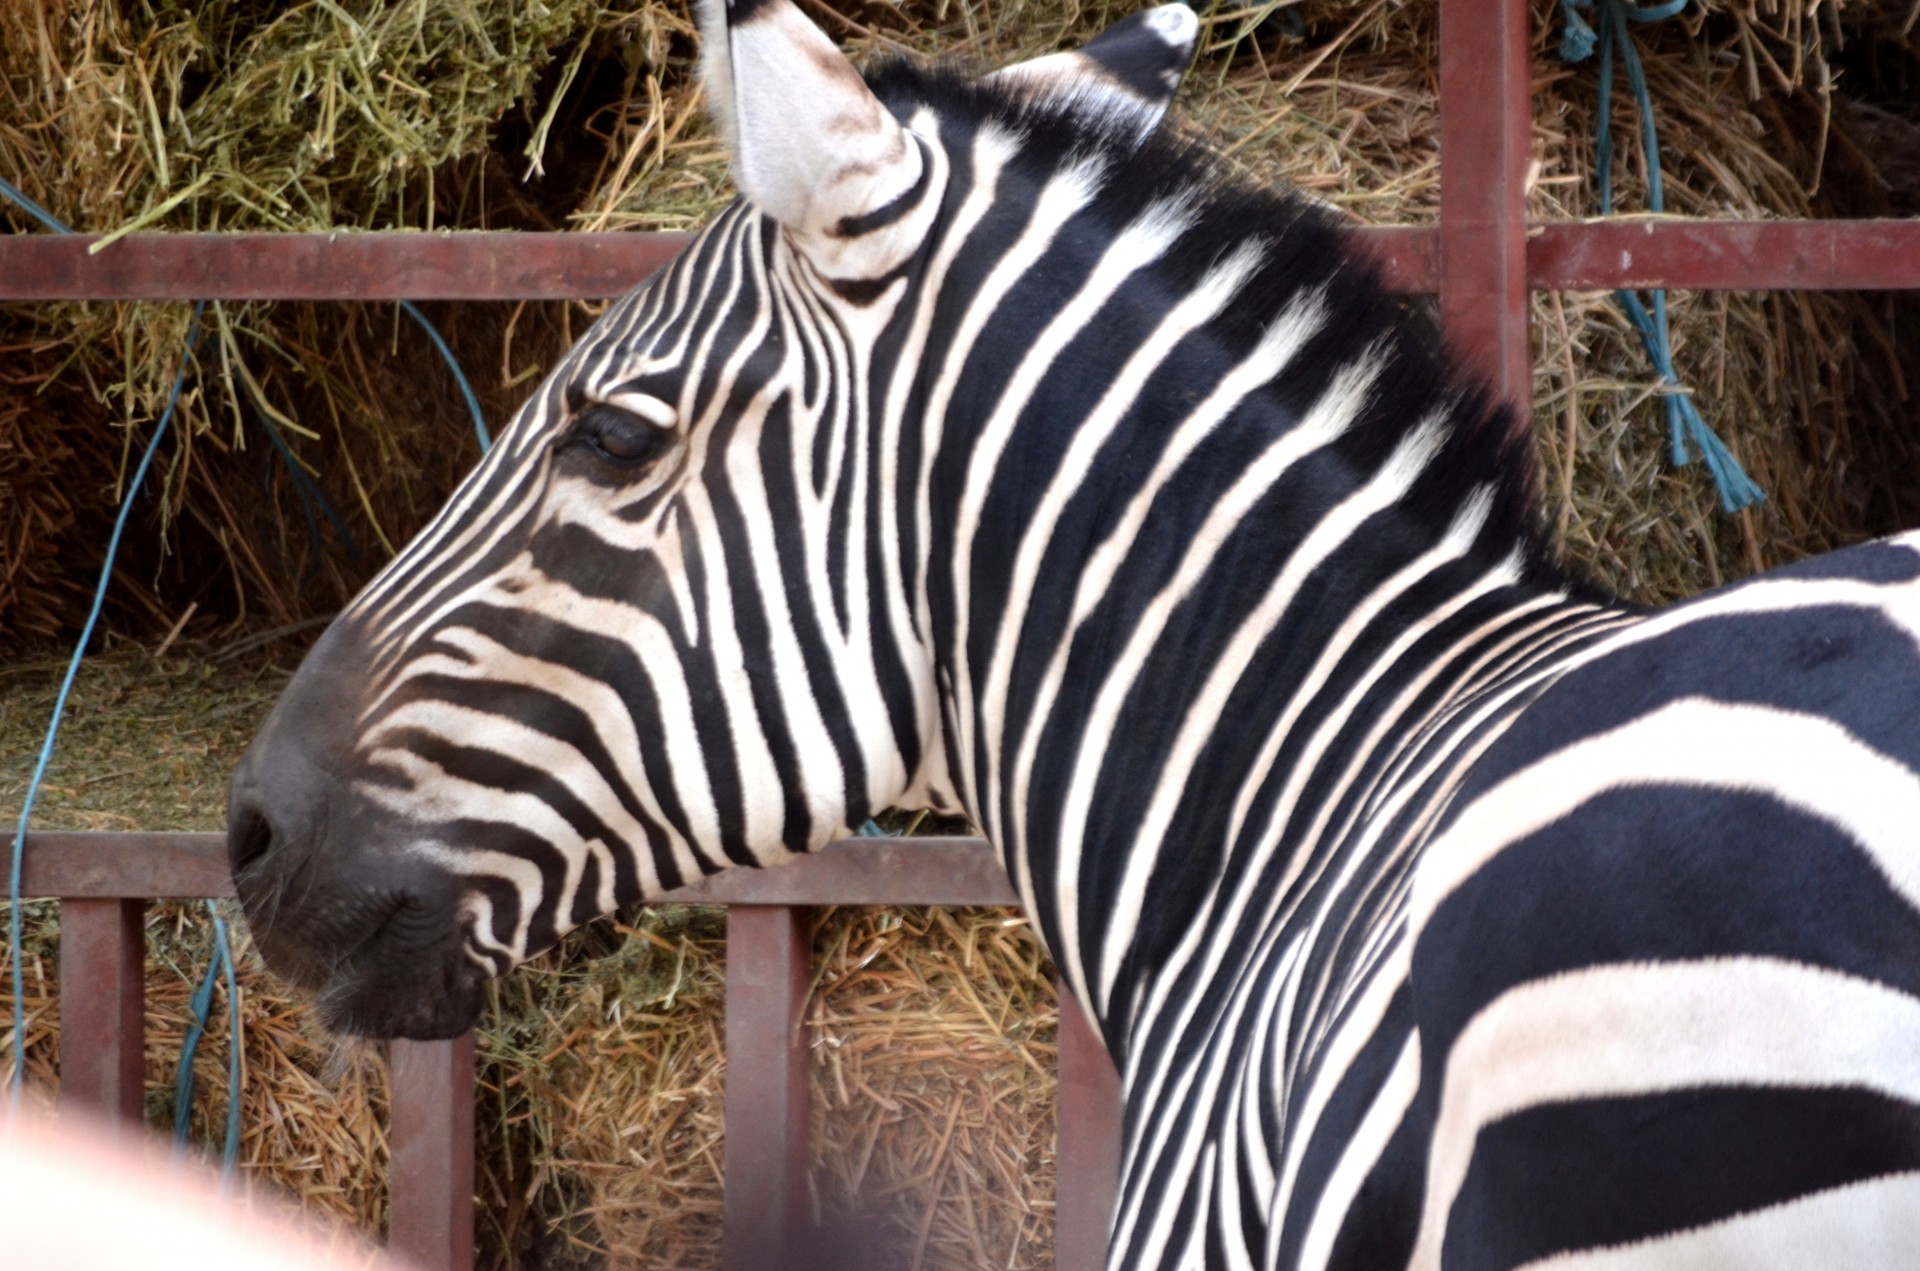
934, 1040
244, 115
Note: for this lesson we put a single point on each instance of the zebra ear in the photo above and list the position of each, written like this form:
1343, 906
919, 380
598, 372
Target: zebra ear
1132, 69
812, 146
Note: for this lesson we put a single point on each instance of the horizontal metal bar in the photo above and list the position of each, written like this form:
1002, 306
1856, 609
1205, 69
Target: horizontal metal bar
1409, 255
484, 265
488, 265
122, 865
863, 871
867, 871
1860, 255
1700, 255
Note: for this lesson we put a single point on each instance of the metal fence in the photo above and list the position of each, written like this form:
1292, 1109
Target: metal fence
104, 881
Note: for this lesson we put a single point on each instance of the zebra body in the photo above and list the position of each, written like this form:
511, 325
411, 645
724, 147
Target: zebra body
997, 455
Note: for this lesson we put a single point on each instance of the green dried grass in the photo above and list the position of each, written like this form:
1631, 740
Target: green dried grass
245, 115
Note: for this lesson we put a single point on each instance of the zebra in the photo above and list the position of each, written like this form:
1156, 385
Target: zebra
999, 453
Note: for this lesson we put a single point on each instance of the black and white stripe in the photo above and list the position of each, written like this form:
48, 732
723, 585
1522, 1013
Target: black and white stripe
1438, 909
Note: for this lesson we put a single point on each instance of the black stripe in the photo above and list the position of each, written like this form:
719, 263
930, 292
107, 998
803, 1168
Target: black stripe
741, 12
894, 209
864, 291
1581, 1175
1659, 875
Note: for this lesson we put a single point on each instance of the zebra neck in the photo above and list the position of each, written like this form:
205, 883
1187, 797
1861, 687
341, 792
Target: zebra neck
1168, 804
1175, 681
1194, 507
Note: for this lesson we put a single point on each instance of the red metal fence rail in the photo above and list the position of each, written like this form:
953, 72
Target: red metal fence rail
1864, 255
1481, 259
104, 880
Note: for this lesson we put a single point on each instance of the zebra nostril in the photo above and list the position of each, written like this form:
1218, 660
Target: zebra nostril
249, 838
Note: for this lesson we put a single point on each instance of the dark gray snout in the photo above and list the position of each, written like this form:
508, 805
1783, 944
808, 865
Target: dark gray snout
336, 901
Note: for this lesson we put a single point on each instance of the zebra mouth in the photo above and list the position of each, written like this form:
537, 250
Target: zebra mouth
429, 1003
404, 972
380, 959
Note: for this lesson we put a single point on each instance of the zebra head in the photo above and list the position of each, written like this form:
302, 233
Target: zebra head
676, 619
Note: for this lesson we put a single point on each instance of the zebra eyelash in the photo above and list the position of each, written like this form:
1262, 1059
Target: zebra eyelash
629, 429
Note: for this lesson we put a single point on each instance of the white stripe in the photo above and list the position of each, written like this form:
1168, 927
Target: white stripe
1283, 339
1211, 920
1065, 195
1199, 306
1128, 254
1205, 708
1357, 1160
1636, 1029
1866, 1225
1353, 1035
1328, 419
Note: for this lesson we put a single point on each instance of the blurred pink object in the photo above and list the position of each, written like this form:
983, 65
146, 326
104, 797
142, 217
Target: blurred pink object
85, 1196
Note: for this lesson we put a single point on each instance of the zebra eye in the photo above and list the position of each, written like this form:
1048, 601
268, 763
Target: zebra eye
621, 435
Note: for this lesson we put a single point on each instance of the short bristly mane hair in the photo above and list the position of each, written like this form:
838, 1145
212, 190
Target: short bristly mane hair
1487, 444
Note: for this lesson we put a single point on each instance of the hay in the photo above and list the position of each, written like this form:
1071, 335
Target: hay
934, 1035
244, 115
601, 1097
247, 115
602, 1070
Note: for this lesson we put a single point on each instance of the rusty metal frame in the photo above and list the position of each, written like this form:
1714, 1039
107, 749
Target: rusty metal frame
1486, 138
104, 880
1863, 255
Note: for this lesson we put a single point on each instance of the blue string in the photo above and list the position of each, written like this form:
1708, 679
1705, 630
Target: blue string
230, 1149
201, 1004
18, 1081
446, 354
31, 208
203, 996
15, 919
1689, 435
183, 1082
309, 493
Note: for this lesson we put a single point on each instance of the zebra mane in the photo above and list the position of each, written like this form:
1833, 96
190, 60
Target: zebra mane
1488, 446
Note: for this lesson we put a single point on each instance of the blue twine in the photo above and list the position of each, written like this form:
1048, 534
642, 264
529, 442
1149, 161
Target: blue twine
201, 1004
870, 829
202, 1001
183, 1082
310, 494
446, 354
1689, 434
14, 925
27, 205
15, 919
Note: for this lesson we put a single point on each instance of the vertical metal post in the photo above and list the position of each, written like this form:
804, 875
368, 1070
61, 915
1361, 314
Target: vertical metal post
1486, 144
769, 970
1087, 1152
103, 996
430, 1176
